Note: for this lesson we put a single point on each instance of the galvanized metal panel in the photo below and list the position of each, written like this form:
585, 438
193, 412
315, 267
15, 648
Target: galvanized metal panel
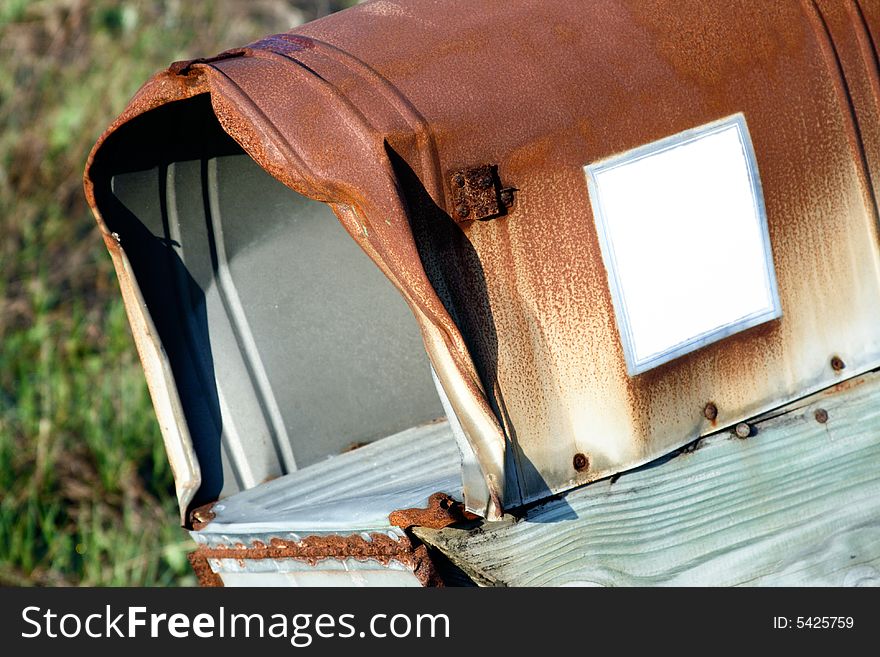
352, 492
796, 504
328, 524
383, 577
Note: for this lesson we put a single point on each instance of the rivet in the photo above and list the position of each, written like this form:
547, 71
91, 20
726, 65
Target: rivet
821, 416
837, 363
462, 210
486, 181
743, 430
458, 179
710, 411
580, 462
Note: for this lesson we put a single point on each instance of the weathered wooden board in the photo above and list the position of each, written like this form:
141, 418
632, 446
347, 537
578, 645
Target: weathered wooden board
796, 503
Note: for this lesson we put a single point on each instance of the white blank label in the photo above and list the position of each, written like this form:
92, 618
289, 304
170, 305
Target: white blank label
684, 240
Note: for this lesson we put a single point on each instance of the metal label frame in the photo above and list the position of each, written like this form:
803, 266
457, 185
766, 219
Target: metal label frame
634, 365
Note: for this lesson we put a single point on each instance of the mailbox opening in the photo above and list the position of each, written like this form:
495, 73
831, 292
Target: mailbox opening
286, 343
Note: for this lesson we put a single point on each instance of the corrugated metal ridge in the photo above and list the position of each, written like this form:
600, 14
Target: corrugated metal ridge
404, 452
355, 491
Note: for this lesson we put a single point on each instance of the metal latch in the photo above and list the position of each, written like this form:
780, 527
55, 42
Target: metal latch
477, 193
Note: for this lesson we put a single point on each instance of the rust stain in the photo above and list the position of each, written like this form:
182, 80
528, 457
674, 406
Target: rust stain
710, 412
206, 577
313, 549
843, 386
353, 446
477, 194
442, 511
202, 516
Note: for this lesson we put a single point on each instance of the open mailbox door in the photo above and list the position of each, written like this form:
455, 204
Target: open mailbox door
604, 231
286, 346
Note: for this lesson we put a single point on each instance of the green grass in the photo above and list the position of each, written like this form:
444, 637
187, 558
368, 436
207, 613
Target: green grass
86, 493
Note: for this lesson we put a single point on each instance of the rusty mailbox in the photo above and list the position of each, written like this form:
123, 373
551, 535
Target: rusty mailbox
585, 234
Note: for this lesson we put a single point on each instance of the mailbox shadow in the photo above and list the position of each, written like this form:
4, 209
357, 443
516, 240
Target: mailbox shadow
175, 300
453, 267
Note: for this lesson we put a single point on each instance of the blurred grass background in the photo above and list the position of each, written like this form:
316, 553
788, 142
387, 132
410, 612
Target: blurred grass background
86, 494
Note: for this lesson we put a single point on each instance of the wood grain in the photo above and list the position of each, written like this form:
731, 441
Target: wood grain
797, 503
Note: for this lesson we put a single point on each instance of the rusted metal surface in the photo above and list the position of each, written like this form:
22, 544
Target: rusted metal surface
345, 514
200, 517
442, 511
205, 575
376, 547
312, 549
710, 412
477, 194
360, 110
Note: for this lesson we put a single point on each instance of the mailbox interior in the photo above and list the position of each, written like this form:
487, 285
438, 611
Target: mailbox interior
287, 344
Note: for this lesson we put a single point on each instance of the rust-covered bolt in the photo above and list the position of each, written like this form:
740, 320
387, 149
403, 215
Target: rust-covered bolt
458, 179
710, 412
821, 415
743, 430
462, 210
580, 462
837, 363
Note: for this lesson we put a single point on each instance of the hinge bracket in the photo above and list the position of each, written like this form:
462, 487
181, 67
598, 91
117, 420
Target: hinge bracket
477, 194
